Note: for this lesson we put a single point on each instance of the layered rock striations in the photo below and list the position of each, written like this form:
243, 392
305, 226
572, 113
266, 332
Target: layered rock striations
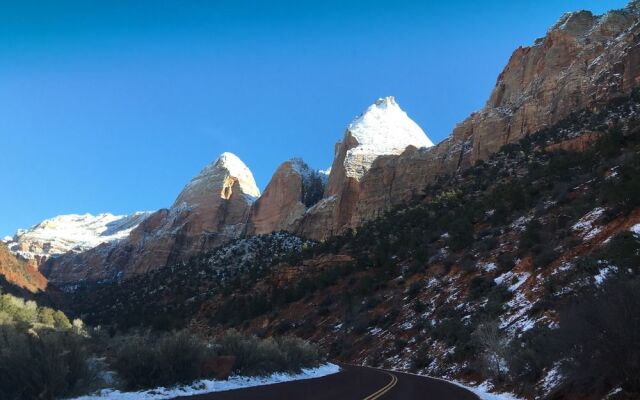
212, 209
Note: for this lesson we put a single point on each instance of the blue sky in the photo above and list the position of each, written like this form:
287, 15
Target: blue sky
112, 106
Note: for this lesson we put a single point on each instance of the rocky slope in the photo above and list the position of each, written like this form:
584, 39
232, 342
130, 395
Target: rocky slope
19, 274
212, 209
75, 233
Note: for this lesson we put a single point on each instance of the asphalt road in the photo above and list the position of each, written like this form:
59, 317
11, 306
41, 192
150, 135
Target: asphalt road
353, 383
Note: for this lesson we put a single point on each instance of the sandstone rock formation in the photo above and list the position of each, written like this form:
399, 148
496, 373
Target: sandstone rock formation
383, 129
582, 61
212, 209
20, 274
293, 188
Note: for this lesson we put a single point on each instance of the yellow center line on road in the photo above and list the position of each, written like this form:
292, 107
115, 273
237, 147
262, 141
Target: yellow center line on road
379, 393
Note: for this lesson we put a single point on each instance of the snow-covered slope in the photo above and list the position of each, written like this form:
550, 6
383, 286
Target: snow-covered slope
73, 232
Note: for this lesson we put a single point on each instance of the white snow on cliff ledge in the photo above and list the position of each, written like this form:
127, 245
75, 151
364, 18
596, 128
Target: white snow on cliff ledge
209, 386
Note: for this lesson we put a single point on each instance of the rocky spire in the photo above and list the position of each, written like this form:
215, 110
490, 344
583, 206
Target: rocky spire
383, 129
292, 189
218, 180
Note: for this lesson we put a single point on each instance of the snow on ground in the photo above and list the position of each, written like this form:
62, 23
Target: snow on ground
635, 229
482, 391
552, 378
519, 224
613, 392
603, 273
586, 224
520, 279
208, 386
488, 267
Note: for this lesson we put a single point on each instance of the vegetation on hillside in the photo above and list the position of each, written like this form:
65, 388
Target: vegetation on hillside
42, 354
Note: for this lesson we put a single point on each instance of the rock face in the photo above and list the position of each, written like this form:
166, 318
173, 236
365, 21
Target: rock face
383, 129
216, 200
15, 273
73, 232
212, 209
293, 188
582, 61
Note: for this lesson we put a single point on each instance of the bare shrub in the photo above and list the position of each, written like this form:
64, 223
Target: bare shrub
494, 345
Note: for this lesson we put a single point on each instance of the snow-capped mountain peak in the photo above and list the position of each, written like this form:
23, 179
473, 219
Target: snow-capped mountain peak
72, 232
222, 173
384, 128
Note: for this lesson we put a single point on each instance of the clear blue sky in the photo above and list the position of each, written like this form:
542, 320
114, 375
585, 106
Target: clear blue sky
112, 106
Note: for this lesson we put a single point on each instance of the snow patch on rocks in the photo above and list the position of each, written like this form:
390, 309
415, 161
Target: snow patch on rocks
635, 229
603, 273
586, 225
552, 378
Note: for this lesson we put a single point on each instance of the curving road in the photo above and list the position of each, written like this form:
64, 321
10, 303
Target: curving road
352, 383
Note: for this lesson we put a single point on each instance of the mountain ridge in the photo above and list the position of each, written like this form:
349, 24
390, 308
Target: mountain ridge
71, 233
583, 62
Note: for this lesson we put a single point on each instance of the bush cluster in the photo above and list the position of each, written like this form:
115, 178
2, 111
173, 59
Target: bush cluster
256, 356
42, 354
147, 360
45, 364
